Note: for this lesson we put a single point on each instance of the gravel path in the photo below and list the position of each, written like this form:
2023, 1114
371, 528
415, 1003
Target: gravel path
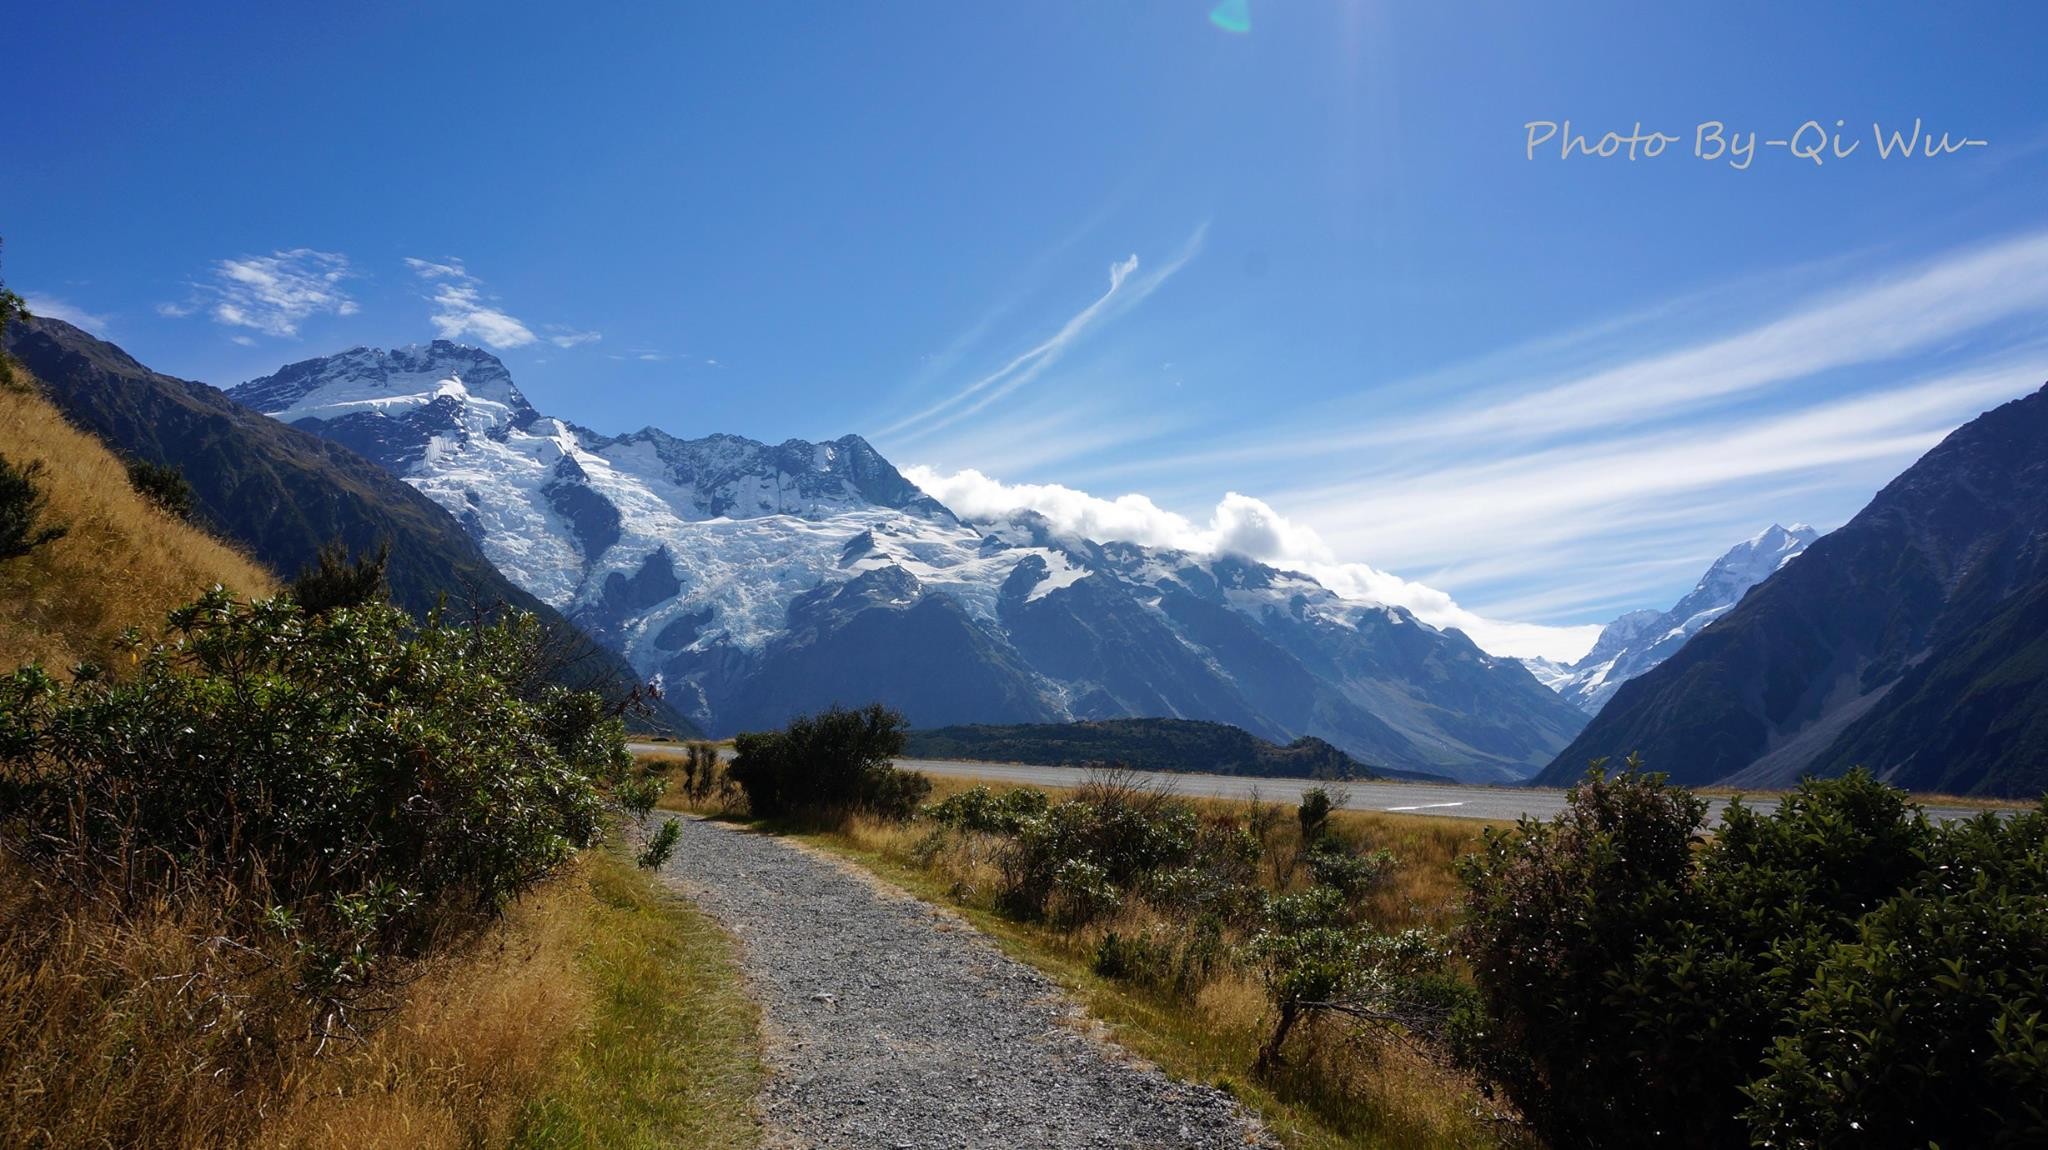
894, 1024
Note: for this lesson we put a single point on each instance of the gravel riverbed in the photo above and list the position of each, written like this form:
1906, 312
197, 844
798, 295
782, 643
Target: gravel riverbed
892, 1023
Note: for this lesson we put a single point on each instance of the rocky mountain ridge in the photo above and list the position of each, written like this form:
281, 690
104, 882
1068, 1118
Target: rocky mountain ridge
758, 581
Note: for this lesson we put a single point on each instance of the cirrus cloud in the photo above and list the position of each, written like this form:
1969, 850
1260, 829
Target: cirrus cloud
272, 295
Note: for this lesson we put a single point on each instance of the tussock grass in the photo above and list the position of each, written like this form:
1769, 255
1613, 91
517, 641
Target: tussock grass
1341, 1087
124, 563
600, 1012
135, 1026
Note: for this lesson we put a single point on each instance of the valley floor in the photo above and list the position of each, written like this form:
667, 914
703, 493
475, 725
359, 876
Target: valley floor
1491, 804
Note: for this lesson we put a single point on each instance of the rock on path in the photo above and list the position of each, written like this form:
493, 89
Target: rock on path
893, 1024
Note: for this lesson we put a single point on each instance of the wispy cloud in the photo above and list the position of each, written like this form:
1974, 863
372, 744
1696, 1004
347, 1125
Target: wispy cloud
1539, 508
1902, 314
70, 313
564, 336
1127, 288
1651, 367
461, 309
1595, 471
1242, 525
271, 295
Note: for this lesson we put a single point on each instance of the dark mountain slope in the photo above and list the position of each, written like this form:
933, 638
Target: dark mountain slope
1146, 744
1802, 673
877, 638
1970, 719
279, 492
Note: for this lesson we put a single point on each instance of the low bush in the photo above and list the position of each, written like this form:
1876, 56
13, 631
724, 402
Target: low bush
1331, 865
1836, 971
24, 507
337, 579
1314, 813
661, 846
1081, 855
703, 774
163, 485
980, 809
834, 762
255, 836
372, 781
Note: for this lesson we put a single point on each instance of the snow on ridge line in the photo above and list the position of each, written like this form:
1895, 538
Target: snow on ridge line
743, 548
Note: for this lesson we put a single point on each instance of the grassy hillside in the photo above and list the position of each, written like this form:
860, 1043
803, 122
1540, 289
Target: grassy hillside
157, 995
1146, 744
123, 563
284, 493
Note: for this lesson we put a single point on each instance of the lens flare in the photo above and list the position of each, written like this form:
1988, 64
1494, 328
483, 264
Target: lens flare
1232, 16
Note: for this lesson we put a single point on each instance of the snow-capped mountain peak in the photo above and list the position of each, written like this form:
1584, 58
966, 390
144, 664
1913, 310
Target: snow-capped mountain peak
1639, 640
389, 382
757, 580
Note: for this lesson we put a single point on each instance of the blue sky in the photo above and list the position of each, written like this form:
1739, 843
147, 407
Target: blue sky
1299, 290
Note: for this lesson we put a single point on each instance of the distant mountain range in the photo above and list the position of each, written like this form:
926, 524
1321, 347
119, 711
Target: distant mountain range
281, 494
759, 581
756, 582
1639, 640
1143, 744
1913, 641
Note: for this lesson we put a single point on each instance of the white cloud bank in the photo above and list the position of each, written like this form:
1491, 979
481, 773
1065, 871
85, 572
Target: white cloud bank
1242, 525
460, 309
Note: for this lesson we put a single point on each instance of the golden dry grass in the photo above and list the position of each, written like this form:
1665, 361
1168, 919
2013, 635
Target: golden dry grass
124, 563
134, 1026
599, 1012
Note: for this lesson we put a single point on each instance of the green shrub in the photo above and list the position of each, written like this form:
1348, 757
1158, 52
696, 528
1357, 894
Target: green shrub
835, 761
1835, 972
1121, 829
1930, 1026
1311, 964
1314, 813
1205, 889
23, 503
893, 794
1356, 875
1080, 893
702, 773
163, 485
1131, 958
1554, 910
374, 779
662, 845
982, 810
637, 796
338, 579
